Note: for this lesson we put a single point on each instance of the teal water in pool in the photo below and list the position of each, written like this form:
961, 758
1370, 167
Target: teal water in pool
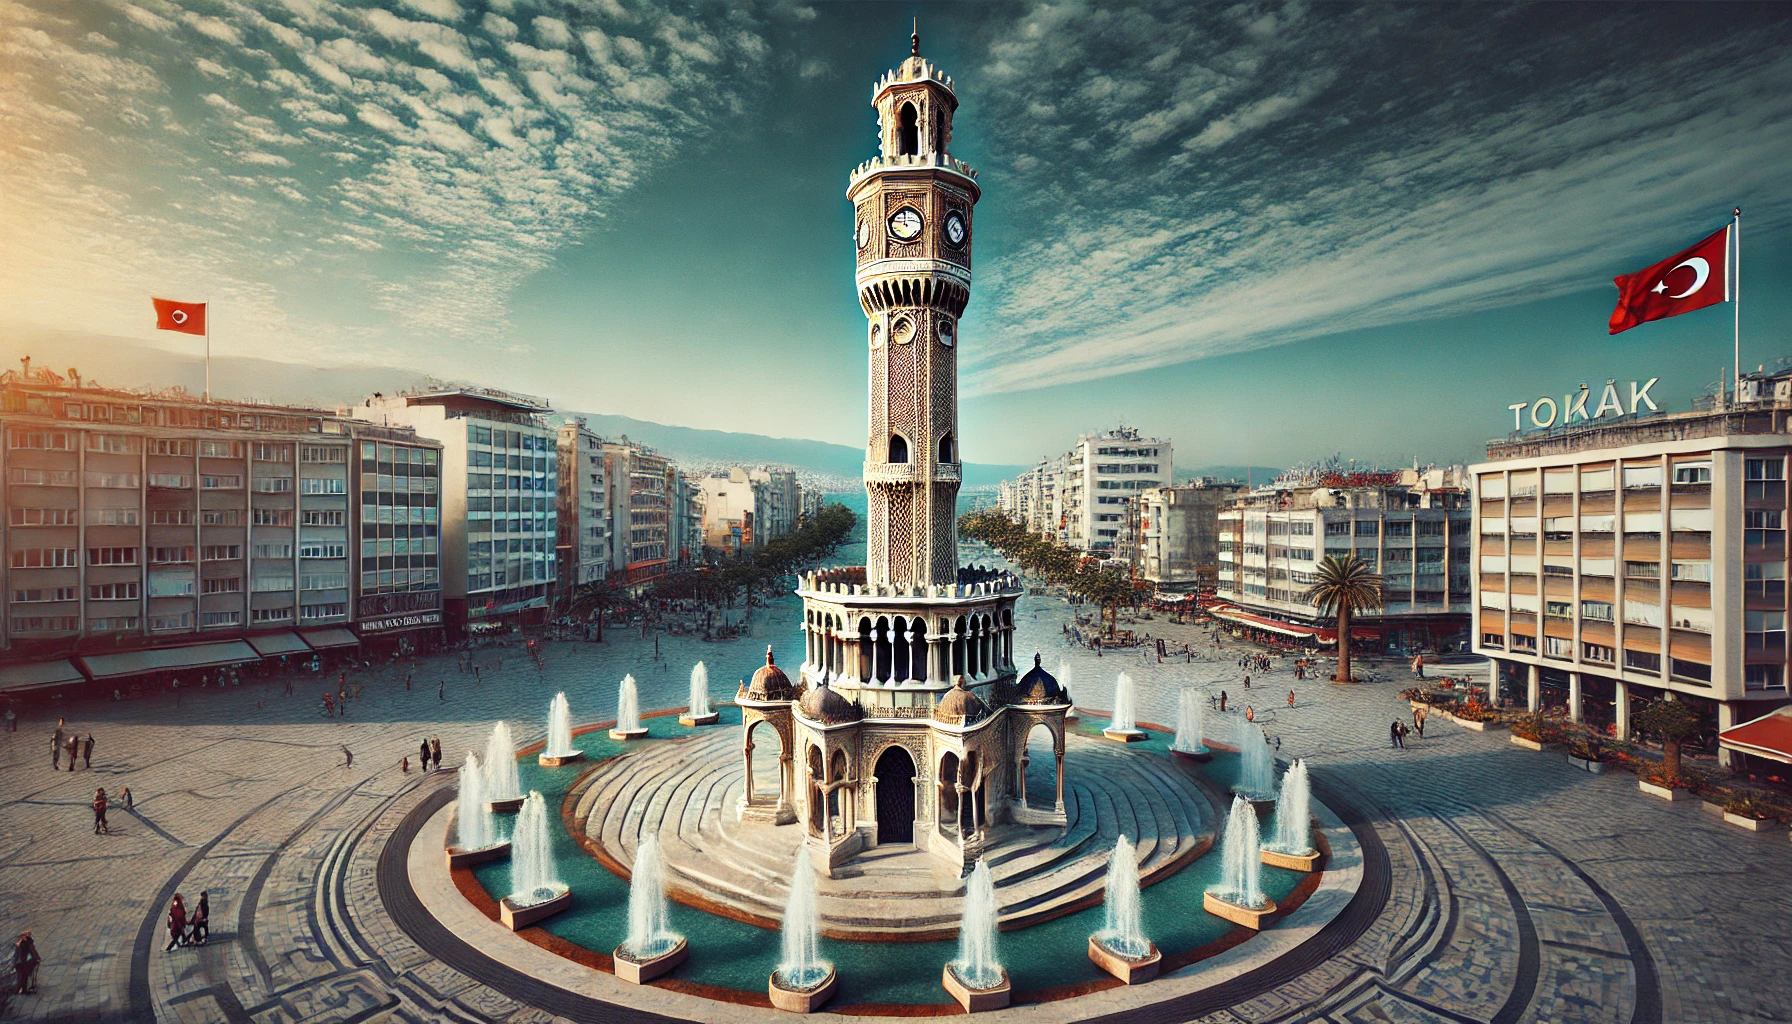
730, 954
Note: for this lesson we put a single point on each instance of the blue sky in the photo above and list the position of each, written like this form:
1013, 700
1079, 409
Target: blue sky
1269, 231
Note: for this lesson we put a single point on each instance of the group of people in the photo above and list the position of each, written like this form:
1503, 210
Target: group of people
186, 929
72, 744
1397, 732
430, 750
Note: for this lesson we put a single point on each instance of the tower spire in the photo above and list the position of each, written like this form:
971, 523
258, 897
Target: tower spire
914, 40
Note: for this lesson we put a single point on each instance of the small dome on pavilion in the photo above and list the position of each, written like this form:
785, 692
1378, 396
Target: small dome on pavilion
960, 706
1039, 687
825, 705
770, 682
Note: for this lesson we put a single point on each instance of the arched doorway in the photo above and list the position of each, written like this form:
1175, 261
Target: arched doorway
947, 814
895, 796
1041, 768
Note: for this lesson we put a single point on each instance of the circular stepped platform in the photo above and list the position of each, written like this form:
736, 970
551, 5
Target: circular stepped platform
687, 790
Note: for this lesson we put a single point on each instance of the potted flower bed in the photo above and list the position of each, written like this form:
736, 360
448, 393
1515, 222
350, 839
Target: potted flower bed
1475, 715
1527, 733
1663, 788
1745, 811
1587, 754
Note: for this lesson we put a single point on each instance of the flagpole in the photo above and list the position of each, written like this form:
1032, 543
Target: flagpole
208, 350
1737, 296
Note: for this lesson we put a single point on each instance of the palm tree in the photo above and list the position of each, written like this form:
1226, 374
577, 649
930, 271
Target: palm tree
1345, 585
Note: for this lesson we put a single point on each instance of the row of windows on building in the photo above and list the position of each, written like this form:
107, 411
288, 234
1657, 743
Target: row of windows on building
178, 621
20, 439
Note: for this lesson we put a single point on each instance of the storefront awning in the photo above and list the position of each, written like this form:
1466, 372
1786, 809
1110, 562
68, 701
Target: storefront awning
1768, 736
1321, 634
275, 644
168, 659
39, 674
336, 636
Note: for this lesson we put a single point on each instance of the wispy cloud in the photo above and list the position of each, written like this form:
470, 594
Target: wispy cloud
416, 160
1256, 175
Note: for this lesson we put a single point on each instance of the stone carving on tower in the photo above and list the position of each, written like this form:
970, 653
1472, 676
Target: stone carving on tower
907, 722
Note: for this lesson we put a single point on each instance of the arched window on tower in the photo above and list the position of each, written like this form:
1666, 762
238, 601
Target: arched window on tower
948, 449
898, 448
908, 131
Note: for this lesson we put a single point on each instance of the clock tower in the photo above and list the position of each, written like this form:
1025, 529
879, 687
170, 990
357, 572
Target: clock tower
912, 208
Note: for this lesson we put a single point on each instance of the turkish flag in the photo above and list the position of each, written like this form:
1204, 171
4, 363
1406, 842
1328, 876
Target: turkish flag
185, 317
1685, 281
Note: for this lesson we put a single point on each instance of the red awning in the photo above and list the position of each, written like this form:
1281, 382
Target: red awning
1323, 634
1767, 736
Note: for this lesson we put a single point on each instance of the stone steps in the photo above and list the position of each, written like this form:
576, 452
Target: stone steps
687, 791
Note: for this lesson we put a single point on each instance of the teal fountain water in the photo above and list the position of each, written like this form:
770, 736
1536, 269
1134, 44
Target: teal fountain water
474, 828
503, 791
1189, 724
535, 887
1257, 765
975, 978
1123, 724
628, 712
1294, 833
803, 981
1239, 897
559, 749
1120, 947
652, 948
699, 712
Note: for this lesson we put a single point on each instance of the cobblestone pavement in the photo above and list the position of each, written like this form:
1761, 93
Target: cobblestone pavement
1522, 890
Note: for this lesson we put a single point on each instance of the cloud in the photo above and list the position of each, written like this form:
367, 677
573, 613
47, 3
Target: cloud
1258, 177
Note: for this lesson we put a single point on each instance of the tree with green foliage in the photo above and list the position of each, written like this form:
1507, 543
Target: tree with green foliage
1345, 585
1673, 722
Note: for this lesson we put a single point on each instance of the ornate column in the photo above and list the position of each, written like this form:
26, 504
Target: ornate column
1024, 761
747, 755
1059, 753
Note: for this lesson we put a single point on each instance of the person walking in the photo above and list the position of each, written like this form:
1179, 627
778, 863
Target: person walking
348, 756
74, 748
202, 919
423, 755
56, 751
177, 922
25, 959
435, 751
442, 691
99, 813
404, 764
1291, 702
87, 753
1419, 715
130, 803
1394, 734
12, 721
1247, 682
1222, 700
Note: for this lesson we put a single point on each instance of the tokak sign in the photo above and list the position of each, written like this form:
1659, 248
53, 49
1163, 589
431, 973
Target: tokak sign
1544, 412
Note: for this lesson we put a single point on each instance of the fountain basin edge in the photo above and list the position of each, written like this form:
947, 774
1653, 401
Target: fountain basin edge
692, 721
806, 1000
976, 1000
1293, 862
1129, 971
517, 917
1125, 735
628, 734
459, 858
640, 971
558, 760
505, 806
1251, 918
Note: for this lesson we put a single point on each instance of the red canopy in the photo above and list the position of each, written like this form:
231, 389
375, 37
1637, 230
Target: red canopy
1767, 736
1323, 634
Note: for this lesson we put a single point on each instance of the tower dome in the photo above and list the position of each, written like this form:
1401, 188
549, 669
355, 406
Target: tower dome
960, 706
823, 704
770, 682
1038, 686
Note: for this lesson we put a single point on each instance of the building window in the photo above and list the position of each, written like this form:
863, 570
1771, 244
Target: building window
111, 556
174, 481
221, 449
36, 595
323, 549
1763, 677
171, 555
225, 585
273, 584
170, 517
220, 552
273, 485
273, 551
313, 612
47, 516
271, 516
1495, 640
1692, 473
116, 444
171, 584
1764, 580
1642, 661
165, 623
41, 440
1559, 609
273, 453
221, 481
113, 624
1597, 652
1764, 527
324, 581
221, 517
1599, 611
1683, 669
260, 615
320, 485
1765, 630
1764, 479
165, 446
45, 624
220, 620
1558, 647
1642, 570
323, 517
316, 453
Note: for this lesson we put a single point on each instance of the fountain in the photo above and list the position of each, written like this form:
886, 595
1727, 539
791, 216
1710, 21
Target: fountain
699, 713
803, 981
559, 750
476, 839
1239, 896
536, 891
1120, 947
652, 947
975, 979
628, 713
1064, 684
1257, 767
1292, 846
502, 790
1188, 727
1122, 727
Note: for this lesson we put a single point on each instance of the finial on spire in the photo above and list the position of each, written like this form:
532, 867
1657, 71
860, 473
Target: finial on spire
914, 40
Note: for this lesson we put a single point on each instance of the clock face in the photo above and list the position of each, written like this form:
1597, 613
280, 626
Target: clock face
948, 333
905, 224
954, 228
863, 235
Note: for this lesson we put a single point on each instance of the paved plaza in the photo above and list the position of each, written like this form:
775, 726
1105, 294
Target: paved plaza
1519, 890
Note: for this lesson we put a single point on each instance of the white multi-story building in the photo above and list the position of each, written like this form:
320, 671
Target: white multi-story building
1624, 562
500, 471
1102, 476
584, 508
1271, 543
1179, 533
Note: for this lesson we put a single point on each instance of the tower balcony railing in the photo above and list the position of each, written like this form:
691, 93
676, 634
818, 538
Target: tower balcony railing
941, 161
912, 472
850, 582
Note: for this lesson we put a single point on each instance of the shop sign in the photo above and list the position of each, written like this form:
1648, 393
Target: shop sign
392, 622
1544, 412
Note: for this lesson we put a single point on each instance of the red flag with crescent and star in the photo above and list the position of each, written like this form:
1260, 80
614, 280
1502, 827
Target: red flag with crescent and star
185, 317
1685, 281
